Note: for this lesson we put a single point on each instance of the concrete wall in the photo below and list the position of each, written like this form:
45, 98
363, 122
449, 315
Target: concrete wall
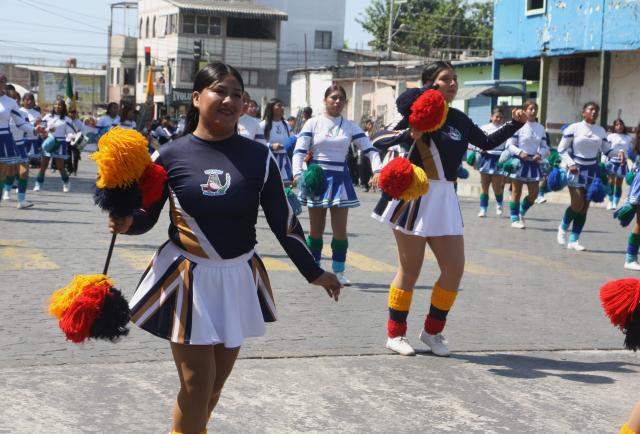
318, 83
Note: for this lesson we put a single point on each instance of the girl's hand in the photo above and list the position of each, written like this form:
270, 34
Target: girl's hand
518, 115
277, 146
537, 157
573, 169
330, 283
416, 134
523, 155
294, 181
621, 155
119, 225
373, 182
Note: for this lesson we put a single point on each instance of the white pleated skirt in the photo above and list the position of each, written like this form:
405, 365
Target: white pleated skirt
434, 214
191, 300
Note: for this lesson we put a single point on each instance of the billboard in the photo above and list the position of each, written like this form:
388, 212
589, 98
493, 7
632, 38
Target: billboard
88, 90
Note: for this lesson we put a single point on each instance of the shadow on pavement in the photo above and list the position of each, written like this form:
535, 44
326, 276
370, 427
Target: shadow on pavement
529, 367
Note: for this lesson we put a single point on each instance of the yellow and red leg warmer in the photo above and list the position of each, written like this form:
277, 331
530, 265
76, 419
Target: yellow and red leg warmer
399, 304
441, 302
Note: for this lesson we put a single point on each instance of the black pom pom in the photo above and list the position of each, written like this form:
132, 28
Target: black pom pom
112, 323
119, 202
406, 100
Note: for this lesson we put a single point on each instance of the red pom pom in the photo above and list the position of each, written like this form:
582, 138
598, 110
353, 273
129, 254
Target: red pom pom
619, 299
152, 184
429, 111
78, 318
395, 177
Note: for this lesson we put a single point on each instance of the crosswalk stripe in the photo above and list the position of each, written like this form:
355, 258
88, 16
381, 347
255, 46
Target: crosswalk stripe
17, 257
273, 264
362, 262
546, 263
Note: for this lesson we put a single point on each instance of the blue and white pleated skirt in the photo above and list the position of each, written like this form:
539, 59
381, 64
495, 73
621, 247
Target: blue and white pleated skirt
529, 171
8, 152
489, 164
198, 301
340, 192
616, 168
634, 191
21, 152
284, 164
584, 177
62, 151
34, 147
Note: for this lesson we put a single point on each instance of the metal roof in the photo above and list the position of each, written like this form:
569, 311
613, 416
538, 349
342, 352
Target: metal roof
230, 8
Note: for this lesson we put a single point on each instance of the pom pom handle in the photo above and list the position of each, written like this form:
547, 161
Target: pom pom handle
109, 253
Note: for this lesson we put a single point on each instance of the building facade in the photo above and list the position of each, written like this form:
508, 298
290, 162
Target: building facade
589, 50
240, 32
123, 52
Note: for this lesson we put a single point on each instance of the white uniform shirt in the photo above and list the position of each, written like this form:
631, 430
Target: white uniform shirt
61, 128
619, 142
329, 139
531, 138
105, 122
9, 109
249, 127
279, 134
581, 143
130, 125
488, 129
31, 115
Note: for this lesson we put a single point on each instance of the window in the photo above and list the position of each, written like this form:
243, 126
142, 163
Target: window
202, 25
187, 67
251, 29
140, 30
173, 23
571, 71
129, 76
113, 76
188, 24
117, 78
146, 32
139, 72
215, 26
153, 28
249, 77
323, 40
535, 7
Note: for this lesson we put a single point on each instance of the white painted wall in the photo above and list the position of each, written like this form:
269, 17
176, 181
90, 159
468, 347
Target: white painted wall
319, 82
624, 92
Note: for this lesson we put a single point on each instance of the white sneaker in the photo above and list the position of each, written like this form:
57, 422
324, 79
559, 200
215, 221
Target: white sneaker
24, 204
482, 213
574, 245
37, 187
632, 266
518, 224
498, 210
610, 206
343, 279
66, 186
540, 199
437, 343
6, 195
562, 236
400, 345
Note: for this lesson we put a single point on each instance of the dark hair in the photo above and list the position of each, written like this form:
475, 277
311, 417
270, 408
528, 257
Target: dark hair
528, 103
497, 110
335, 88
125, 108
590, 103
291, 118
111, 104
64, 108
307, 112
212, 73
268, 116
618, 121
431, 71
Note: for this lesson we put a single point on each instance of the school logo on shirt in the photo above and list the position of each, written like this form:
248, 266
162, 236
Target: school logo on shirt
214, 186
454, 134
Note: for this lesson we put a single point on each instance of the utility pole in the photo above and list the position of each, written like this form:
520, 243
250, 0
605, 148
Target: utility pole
307, 75
390, 32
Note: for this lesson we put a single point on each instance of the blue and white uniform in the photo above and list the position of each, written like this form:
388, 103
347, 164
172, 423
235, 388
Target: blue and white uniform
130, 125
18, 139
489, 159
328, 138
580, 145
32, 142
62, 129
206, 285
530, 139
10, 111
280, 134
619, 143
106, 122
249, 127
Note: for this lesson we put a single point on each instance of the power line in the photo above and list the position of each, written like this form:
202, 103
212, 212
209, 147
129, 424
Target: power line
55, 27
48, 11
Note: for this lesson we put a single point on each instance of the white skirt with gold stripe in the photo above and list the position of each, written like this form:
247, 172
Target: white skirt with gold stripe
191, 300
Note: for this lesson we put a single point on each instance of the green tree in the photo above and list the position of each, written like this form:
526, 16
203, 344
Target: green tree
425, 27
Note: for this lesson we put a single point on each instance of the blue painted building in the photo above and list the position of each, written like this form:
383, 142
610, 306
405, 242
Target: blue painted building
588, 50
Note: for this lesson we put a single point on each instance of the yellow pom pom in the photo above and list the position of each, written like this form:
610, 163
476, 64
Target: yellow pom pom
419, 185
63, 297
122, 157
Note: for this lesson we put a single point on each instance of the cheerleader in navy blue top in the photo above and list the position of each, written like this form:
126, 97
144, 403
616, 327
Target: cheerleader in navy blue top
490, 174
278, 136
633, 199
616, 165
579, 149
206, 290
60, 126
434, 218
529, 145
326, 140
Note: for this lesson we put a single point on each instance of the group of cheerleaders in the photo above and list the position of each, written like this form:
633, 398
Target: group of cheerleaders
582, 147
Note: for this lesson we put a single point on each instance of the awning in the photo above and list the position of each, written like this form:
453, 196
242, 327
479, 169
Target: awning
470, 92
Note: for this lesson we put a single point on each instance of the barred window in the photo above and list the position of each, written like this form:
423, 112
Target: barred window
571, 71
323, 40
535, 7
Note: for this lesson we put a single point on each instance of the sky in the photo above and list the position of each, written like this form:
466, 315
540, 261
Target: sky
38, 31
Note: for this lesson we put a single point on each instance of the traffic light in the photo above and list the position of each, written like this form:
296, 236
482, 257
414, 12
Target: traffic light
197, 50
147, 56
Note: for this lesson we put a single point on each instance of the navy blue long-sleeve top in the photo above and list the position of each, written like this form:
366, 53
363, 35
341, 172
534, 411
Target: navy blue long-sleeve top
214, 190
